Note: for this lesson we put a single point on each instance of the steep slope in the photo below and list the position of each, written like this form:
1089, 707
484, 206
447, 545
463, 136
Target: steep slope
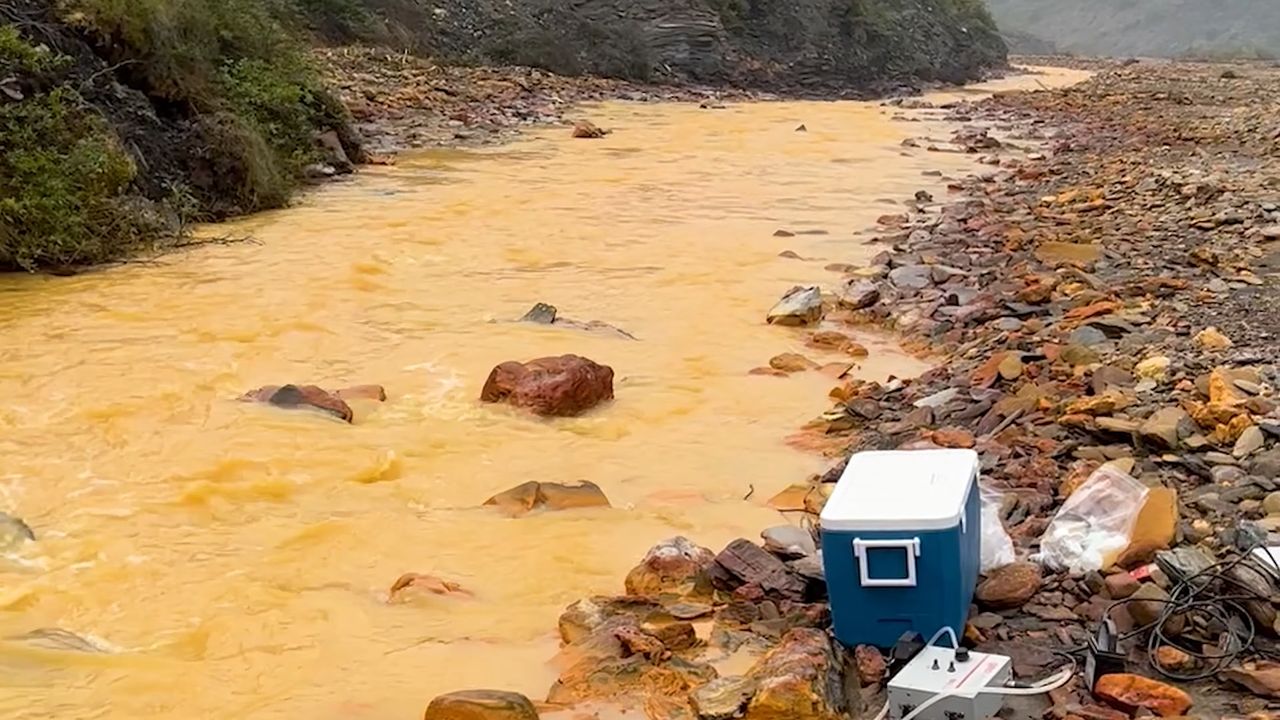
1162, 28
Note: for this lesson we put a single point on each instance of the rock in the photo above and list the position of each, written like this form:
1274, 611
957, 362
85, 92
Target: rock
801, 128
672, 566
791, 363
938, 399
1267, 464
1211, 339
914, 277
1156, 525
332, 153
1249, 442
799, 306
1153, 368
301, 396
532, 495
1270, 505
1166, 427
540, 313
1261, 678
363, 392
481, 705
1172, 659
587, 130
1146, 605
1121, 585
871, 665
1009, 587
60, 640
561, 386
798, 680
418, 583
13, 532
743, 562
788, 541
586, 616
859, 294
952, 438
1087, 335
1076, 355
723, 698
1133, 692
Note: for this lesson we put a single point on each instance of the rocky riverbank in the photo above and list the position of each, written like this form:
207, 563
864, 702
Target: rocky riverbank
1096, 307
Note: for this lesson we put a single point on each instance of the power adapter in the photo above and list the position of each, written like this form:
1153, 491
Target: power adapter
1104, 656
966, 684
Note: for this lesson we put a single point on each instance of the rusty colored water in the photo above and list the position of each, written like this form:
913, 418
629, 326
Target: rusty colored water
237, 557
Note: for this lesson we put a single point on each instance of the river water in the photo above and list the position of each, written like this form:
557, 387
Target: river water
237, 558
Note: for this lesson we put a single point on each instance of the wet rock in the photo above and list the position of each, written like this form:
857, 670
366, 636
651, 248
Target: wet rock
871, 665
788, 541
13, 532
743, 562
672, 566
540, 313
799, 306
416, 583
481, 705
792, 363
545, 314
798, 680
301, 396
587, 130
332, 153
1261, 678
532, 495
363, 392
1133, 692
1010, 586
859, 294
586, 616
561, 386
723, 698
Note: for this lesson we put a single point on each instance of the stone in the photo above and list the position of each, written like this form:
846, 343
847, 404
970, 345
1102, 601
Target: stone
952, 438
13, 532
938, 399
1250, 441
541, 313
1261, 678
1087, 335
675, 565
1270, 504
1009, 587
1266, 464
788, 541
743, 562
1172, 659
1147, 604
419, 583
332, 153
858, 294
60, 640
1130, 693
587, 130
1166, 427
1211, 339
799, 306
1077, 355
363, 392
586, 616
913, 277
798, 680
723, 698
1121, 585
561, 386
481, 705
871, 665
301, 396
792, 363
1153, 368
533, 495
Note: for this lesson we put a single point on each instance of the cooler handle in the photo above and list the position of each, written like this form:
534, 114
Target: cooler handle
912, 548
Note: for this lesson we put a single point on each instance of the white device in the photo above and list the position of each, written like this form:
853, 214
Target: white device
950, 684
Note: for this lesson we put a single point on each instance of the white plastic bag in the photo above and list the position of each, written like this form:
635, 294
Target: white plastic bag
997, 547
1095, 524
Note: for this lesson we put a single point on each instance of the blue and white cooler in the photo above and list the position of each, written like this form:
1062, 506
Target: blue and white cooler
900, 544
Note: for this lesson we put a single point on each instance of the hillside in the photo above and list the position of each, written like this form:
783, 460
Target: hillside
1159, 28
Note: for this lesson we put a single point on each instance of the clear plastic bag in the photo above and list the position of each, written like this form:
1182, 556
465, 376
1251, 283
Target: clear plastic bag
1095, 524
996, 546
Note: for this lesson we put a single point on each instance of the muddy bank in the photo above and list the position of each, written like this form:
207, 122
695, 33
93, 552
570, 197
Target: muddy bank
1095, 307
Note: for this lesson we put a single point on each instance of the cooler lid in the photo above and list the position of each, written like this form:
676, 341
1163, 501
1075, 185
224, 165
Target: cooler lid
902, 490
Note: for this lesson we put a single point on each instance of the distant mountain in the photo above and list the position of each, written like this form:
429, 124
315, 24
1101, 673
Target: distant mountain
1163, 28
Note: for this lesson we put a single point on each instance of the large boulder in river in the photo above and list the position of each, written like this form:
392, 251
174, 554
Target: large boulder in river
799, 306
481, 705
551, 386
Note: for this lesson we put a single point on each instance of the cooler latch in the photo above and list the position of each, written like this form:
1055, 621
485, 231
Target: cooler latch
910, 548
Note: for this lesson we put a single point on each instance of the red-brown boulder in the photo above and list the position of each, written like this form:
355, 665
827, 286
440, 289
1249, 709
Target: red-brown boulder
302, 396
551, 386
